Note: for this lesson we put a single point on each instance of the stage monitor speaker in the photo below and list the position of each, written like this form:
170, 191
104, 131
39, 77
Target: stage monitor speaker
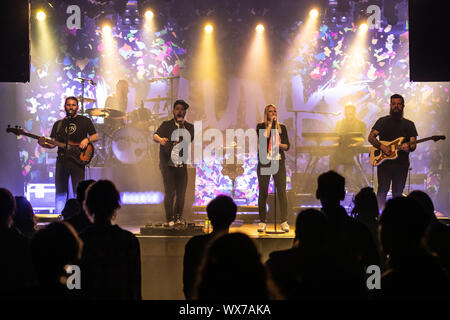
15, 54
428, 40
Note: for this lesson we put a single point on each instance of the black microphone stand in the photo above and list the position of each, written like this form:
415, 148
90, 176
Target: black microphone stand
273, 137
69, 121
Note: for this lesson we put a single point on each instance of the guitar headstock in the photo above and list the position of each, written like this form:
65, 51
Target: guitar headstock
16, 130
437, 138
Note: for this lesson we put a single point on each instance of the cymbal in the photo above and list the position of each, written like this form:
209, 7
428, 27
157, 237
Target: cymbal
157, 99
97, 112
86, 100
105, 112
113, 113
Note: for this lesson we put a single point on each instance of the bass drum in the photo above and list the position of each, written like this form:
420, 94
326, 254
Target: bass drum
129, 145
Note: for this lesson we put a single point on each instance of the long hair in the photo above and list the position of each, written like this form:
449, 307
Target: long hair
266, 117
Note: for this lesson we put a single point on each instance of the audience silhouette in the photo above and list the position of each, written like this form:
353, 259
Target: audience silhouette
52, 249
74, 213
221, 212
328, 260
306, 271
111, 261
24, 218
16, 274
437, 235
366, 211
412, 273
350, 242
232, 270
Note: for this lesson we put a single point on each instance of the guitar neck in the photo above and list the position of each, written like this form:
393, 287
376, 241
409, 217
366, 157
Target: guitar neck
418, 141
49, 141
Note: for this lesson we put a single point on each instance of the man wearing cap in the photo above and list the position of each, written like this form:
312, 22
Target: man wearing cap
172, 161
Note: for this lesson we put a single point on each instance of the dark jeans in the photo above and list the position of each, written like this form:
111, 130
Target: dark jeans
388, 171
66, 168
280, 184
175, 183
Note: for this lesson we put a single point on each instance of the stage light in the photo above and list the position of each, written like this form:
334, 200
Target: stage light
209, 28
106, 28
363, 27
148, 14
313, 13
259, 28
40, 15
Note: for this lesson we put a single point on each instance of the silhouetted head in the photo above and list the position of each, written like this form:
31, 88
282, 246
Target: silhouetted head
52, 248
24, 218
81, 189
102, 200
71, 209
425, 201
365, 204
311, 228
222, 212
330, 188
402, 226
231, 269
7, 207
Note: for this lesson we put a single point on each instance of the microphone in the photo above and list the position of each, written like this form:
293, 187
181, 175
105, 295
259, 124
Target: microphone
71, 113
274, 122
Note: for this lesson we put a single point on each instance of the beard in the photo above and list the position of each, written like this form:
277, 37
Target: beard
397, 115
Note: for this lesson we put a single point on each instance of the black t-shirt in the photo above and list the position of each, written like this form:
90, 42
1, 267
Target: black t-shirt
79, 128
390, 129
283, 138
165, 130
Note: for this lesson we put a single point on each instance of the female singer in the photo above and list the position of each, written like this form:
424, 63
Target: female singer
268, 127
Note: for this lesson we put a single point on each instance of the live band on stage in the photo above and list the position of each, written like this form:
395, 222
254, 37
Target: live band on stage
125, 136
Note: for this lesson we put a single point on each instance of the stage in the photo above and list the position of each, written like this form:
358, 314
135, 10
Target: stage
162, 259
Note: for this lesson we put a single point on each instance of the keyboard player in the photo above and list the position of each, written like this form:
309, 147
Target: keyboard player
352, 132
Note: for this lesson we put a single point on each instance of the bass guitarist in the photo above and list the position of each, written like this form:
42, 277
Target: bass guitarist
74, 129
389, 128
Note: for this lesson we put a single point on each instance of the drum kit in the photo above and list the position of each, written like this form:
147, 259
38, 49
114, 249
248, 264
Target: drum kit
124, 137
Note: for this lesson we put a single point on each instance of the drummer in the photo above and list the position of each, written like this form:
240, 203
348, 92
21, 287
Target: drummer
118, 101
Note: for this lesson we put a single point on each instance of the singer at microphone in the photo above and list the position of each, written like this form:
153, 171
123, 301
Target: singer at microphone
276, 147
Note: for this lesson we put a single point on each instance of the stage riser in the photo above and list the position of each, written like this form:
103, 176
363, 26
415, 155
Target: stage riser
162, 263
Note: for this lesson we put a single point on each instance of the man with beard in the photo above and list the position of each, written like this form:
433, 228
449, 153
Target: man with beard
172, 161
389, 128
73, 129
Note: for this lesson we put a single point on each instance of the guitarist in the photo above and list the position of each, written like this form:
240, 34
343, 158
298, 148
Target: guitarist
389, 128
74, 129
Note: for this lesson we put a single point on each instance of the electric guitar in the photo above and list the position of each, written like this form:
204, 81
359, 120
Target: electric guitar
81, 156
377, 156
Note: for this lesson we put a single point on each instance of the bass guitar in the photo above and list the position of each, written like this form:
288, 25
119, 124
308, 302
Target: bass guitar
377, 156
81, 156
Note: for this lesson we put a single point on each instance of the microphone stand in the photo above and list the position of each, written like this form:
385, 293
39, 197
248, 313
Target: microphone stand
273, 137
69, 121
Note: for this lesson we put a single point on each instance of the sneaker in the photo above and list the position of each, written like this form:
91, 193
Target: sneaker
285, 226
261, 227
171, 223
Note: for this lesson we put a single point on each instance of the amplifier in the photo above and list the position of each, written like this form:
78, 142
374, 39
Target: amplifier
41, 196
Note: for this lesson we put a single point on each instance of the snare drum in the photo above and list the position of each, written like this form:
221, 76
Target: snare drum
129, 145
